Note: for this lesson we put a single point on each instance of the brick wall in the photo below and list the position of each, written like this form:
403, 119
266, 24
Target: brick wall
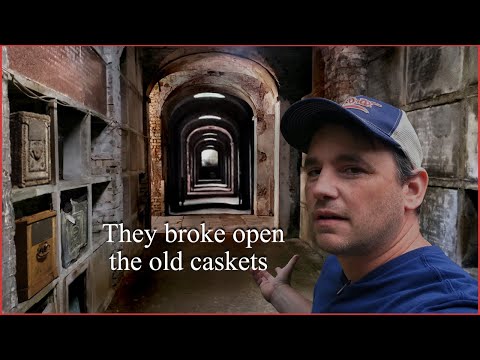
76, 71
157, 199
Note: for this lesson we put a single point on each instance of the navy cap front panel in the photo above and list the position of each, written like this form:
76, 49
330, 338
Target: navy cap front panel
383, 116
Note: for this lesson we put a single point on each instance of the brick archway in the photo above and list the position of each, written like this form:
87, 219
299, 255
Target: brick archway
236, 76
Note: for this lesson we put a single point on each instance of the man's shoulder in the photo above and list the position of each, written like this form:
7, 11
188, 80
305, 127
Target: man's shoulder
432, 259
422, 281
431, 282
429, 259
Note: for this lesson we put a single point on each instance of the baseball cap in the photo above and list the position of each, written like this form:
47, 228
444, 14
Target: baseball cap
382, 120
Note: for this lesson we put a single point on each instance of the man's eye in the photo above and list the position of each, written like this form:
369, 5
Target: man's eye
313, 172
353, 170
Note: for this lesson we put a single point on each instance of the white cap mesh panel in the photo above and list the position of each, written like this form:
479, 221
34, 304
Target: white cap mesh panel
407, 138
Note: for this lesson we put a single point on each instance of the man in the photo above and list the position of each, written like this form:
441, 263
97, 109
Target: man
364, 187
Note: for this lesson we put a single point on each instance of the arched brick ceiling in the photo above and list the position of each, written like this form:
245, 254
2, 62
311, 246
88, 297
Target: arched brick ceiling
290, 66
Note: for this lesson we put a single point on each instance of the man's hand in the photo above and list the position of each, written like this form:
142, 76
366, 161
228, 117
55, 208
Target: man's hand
268, 284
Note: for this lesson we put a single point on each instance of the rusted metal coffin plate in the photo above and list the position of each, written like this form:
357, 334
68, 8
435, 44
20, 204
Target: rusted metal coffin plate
31, 154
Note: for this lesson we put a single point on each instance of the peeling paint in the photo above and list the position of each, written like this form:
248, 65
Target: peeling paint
261, 156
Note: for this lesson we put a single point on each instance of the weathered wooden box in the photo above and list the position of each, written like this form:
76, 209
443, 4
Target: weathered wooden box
35, 242
31, 154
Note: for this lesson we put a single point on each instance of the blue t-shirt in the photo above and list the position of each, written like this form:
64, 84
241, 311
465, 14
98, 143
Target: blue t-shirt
423, 280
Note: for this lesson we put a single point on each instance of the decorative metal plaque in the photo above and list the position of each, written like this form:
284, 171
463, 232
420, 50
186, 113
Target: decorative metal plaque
74, 232
31, 155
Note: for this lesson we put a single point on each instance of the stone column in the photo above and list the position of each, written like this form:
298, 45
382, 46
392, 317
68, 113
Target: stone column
345, 71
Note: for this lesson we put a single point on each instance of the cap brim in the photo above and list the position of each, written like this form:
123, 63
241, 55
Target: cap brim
302, 119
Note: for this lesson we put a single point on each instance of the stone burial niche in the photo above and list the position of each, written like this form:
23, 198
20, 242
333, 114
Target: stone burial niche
74, 213
31, 155
35, 221
35, 241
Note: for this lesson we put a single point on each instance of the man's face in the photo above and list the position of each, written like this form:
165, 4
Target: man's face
352, 191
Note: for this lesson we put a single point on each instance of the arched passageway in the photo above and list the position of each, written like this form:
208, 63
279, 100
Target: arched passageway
212, 155
214, 131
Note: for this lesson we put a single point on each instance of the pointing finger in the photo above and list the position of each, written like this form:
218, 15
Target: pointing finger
291, 263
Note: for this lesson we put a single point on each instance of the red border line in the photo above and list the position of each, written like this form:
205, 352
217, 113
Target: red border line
219, 314
1, 187
478, 137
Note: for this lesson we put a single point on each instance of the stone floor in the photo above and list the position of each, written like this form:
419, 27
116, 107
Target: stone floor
189, 291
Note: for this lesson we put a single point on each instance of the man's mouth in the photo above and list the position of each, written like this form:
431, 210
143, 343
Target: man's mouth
327, 216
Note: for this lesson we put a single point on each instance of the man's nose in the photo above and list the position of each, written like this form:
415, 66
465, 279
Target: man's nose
325, 186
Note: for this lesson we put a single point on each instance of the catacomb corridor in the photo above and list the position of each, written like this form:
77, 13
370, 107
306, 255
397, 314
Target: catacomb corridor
211, 160
107, 148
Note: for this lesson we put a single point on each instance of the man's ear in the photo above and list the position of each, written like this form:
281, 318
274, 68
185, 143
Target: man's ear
415, 188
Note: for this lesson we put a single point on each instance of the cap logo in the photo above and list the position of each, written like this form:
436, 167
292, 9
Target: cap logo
359, 104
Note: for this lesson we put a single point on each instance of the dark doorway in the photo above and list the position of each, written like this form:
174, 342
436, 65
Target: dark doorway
210, 156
